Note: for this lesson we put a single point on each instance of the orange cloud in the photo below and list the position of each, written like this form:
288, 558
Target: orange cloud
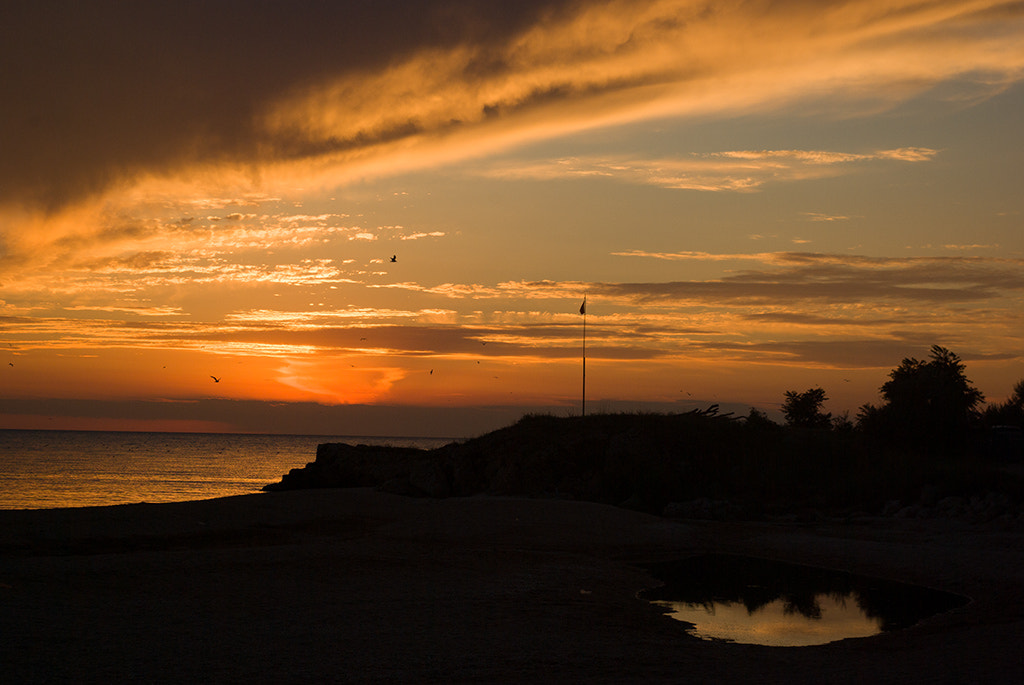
591, 64
616, 62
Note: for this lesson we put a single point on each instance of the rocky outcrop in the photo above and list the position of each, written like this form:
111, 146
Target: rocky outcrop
698, 465
632, 460
339, 465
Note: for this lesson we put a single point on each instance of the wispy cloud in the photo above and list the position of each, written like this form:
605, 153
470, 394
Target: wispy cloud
819, 217
419, 236
701, 256
101, 280
139, 310
363, 315
737, 170
176, 248
827, 158
967, 248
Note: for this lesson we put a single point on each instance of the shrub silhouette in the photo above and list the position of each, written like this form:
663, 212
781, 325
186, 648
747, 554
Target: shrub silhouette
929, 405
803, 409
1010, 412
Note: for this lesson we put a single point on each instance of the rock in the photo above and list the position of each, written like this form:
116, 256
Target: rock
891, 507
951, 507
911, 512
339, 465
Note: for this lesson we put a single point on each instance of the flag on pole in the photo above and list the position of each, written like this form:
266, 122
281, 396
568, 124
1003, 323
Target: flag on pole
583, 311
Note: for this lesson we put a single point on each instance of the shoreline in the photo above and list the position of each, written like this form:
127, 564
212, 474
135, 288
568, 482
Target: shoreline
58, 469
361, 586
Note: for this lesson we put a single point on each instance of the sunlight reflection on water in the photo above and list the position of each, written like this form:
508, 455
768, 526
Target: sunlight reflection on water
776, 624
760, 601
50, 469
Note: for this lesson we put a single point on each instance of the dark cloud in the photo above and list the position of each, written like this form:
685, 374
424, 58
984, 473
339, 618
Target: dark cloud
310, 418
851, 354
847, 354
296, 418
804, 319
832, 279
421, 340
91, 92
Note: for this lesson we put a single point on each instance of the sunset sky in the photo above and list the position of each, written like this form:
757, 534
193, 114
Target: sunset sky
753, 196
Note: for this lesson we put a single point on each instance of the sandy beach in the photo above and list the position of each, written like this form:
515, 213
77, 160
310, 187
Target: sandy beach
356, 585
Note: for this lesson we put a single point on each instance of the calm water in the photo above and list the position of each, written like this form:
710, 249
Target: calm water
763, 602
47, 469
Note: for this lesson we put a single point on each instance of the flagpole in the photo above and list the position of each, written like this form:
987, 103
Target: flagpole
583, 311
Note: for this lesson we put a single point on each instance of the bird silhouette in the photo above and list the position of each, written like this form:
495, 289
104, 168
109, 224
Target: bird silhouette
215, 379
394, 258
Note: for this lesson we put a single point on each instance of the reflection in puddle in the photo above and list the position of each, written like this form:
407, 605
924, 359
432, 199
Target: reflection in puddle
756, 601
775, 623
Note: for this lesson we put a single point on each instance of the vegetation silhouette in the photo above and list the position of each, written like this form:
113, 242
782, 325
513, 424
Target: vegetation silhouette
924, 451
928, 404
803, 409
1008, 413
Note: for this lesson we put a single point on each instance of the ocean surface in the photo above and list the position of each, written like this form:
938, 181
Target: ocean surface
51, 469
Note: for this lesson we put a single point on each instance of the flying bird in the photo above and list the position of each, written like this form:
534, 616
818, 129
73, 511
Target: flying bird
394, 258
215, 379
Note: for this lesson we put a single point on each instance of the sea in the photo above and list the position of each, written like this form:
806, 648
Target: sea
57, 469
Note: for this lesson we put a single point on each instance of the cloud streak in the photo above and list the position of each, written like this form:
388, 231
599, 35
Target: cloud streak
322, 85
737, 170
785, 277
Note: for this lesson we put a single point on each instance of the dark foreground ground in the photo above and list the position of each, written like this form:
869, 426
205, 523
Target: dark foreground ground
361, 586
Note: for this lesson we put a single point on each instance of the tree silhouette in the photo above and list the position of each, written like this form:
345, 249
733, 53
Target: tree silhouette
1010, 412
928, 404
757, 419
803, 409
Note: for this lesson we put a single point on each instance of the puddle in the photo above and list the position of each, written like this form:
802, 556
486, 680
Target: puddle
757, 601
